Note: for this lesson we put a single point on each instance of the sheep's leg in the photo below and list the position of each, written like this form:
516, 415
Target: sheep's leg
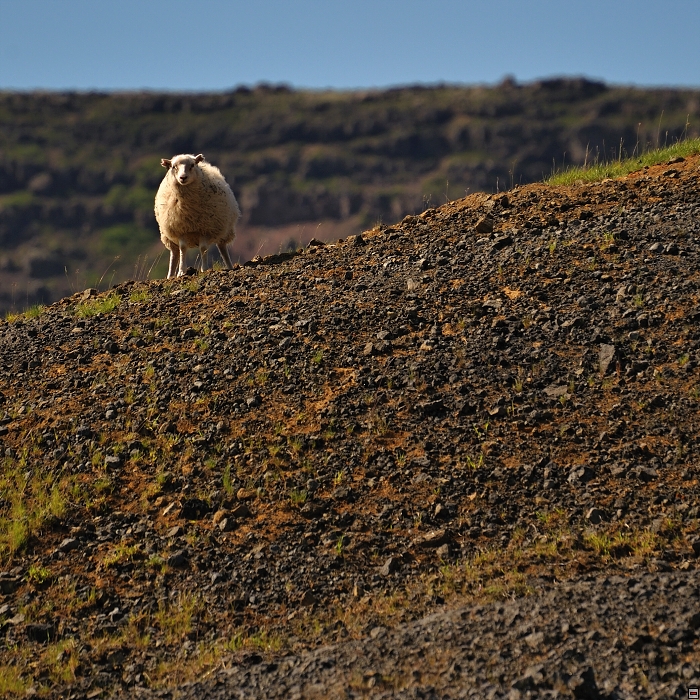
174, 259
223, 249
203, 256
183, 250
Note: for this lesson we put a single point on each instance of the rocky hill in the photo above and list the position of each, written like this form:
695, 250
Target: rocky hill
452, 457
78, 171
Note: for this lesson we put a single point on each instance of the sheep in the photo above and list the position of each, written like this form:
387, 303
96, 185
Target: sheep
194, 208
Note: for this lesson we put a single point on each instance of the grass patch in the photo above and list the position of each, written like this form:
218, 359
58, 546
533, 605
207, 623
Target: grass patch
33, 501
176, 620
297, 497
623, 166
262, 640
32, 312
140, 295
11, 682
120, 554
92, 307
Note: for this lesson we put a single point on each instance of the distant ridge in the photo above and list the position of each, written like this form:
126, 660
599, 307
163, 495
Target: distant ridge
78, 171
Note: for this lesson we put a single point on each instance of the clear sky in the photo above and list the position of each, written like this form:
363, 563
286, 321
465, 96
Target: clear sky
218, 44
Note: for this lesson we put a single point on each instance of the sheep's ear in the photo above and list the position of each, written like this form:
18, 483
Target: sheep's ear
165, 162
199, 158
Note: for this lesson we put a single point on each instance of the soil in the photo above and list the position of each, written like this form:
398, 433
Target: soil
453, 457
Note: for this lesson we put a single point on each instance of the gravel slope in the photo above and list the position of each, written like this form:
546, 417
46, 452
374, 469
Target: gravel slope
484, 401
608, 637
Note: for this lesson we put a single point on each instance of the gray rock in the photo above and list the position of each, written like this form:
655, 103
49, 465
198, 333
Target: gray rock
226, 524
555, 391
68, 544
113, 461
605, 357
433, 539
391, 565
581, 475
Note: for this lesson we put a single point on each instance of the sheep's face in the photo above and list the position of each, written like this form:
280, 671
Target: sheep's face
184, 168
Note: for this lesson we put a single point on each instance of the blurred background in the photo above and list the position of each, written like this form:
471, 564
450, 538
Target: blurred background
326, 117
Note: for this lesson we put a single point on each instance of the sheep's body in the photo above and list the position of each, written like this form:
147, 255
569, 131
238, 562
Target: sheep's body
195, 208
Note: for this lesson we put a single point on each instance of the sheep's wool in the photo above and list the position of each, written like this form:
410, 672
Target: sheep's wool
199, 214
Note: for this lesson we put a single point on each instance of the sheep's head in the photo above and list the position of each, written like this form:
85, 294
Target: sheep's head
183, 167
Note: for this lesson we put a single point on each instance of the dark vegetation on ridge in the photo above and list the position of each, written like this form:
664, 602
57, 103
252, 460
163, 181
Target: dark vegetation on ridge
461, 449
78, 172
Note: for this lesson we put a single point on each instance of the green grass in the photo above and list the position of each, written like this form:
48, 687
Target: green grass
297, 497
261, 640
34, 499
177, 619
92, 307
11, 682
32, 312
624, 166
140, 295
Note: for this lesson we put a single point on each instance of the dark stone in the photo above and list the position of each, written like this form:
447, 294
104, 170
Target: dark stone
312, 511
41, 632
596, 516
177, 559
241, 512
583, 685
194, 508
431, 408
9, 583
502, 242
645, 474
485, 224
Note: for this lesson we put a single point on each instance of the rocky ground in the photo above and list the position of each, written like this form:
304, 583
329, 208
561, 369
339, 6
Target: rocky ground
454, 457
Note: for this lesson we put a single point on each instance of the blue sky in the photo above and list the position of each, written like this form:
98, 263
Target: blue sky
218, 44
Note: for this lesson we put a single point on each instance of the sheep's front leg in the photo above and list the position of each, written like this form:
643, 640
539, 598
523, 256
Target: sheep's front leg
203, 257
223, 249
183, 251
174, 259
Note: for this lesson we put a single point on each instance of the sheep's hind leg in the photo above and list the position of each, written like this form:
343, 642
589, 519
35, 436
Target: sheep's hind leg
181, 267
203, 257
174, 259
223, 249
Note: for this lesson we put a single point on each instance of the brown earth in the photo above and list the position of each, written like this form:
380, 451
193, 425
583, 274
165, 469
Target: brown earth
476, 404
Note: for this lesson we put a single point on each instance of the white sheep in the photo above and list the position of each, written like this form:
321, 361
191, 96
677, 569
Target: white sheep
195, 208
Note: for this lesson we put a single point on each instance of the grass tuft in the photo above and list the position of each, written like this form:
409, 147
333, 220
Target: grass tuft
619, 168
32, 312
92, 307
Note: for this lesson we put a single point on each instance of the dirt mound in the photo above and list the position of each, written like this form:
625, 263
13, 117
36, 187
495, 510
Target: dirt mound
224, 469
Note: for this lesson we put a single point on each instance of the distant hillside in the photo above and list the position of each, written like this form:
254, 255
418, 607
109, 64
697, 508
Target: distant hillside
78, 171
